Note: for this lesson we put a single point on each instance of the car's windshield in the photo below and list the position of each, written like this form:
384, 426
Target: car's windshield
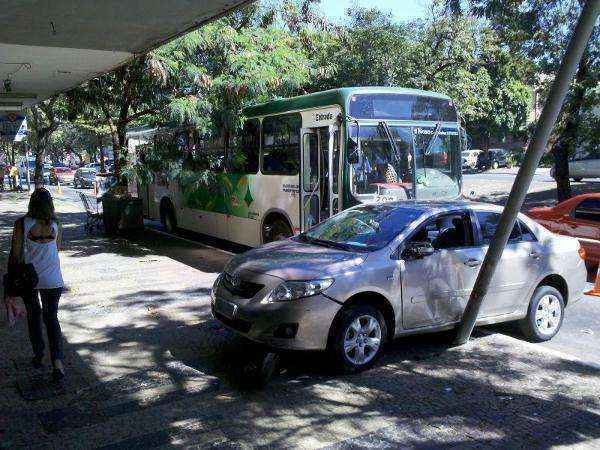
363, 228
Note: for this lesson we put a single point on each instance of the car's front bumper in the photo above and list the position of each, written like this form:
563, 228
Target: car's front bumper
302, 324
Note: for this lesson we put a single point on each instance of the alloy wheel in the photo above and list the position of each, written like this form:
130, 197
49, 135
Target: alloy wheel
362, 339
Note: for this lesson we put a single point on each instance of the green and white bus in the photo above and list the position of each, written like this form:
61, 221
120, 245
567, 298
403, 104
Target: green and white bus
308, 157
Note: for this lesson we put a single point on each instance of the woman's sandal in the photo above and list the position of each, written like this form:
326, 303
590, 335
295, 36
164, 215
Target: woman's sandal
58, 373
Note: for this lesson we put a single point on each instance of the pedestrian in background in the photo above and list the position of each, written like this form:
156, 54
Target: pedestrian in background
2, 174
14, 176
36, 241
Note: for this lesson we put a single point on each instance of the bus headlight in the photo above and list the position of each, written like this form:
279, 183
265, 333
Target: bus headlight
293, 290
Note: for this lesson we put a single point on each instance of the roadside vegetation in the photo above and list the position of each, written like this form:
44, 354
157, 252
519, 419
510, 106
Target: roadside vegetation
496, 59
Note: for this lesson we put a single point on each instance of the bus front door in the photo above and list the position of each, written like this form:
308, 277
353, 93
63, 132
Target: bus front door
319, 169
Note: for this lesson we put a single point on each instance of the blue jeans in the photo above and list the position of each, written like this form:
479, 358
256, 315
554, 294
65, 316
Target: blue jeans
48, 313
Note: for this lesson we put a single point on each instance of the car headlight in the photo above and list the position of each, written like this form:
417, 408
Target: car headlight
293, 290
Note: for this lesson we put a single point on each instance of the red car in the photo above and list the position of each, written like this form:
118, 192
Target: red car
578, 217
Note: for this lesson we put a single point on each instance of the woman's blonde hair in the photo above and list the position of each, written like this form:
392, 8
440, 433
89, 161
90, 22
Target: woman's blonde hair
41, 206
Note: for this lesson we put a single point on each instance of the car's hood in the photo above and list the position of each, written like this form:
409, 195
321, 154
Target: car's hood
291, 260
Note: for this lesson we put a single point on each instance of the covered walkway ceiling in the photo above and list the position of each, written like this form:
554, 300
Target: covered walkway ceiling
51, 46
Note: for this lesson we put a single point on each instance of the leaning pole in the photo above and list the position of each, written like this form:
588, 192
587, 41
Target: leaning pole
535, 150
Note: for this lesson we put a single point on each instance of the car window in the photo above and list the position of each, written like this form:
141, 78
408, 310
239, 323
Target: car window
581, 155
526, 234
447, 231
250, 147
588, 210
488, 222
281, 144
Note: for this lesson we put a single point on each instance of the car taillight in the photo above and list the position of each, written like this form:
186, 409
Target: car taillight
581, 252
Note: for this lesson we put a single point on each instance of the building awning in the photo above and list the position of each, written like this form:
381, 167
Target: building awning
51, 46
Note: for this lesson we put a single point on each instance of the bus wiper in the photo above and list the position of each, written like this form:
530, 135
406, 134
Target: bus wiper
436, 132
430, 142
388, 133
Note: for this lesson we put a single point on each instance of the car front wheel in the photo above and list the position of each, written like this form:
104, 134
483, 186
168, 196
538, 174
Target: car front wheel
545, 314
357, 342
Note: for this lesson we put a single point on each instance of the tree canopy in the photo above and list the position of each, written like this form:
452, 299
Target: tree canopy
488, 55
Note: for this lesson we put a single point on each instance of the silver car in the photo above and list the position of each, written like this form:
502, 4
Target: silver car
375, 272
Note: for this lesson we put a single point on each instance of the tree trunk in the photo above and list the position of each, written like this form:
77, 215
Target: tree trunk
561, 171
122, 156
566, 143
38, 178
102, 162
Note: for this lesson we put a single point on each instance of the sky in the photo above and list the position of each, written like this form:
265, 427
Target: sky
402, 9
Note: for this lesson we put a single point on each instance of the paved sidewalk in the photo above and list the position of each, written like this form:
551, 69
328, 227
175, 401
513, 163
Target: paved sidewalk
148, 367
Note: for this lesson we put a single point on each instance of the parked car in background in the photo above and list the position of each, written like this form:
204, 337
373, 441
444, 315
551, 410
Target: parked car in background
583, 164
63, 173
379, 271
492, 159
577, 217
84, 178
469, 158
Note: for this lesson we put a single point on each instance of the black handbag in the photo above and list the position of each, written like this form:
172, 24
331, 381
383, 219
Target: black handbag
21, 278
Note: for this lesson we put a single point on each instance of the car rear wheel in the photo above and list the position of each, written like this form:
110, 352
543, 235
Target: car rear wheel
545, 314
357, 341
495, 165
577, 179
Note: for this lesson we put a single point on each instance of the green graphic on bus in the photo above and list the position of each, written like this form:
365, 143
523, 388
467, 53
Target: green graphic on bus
232, 195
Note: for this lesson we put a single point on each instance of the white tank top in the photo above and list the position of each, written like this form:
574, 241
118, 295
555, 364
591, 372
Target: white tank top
44, 257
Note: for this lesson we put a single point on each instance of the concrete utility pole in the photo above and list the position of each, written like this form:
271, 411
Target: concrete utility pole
536, 149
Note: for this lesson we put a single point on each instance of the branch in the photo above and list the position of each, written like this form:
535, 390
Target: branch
141, 113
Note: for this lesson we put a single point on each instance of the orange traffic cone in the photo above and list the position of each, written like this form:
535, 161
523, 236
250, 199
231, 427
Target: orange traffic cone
596, 290
58, 188
95, 186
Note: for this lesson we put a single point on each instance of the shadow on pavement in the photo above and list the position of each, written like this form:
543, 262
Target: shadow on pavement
422, 392
149, 367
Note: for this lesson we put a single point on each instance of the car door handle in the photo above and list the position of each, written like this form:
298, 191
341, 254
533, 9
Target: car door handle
535, 255
472, 262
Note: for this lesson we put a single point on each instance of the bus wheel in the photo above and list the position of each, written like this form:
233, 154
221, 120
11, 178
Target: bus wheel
276, 231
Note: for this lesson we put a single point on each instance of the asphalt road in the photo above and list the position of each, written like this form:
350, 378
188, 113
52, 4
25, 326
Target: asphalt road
507, 175
580, 333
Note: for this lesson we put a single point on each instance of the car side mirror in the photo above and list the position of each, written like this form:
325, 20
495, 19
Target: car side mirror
417, 250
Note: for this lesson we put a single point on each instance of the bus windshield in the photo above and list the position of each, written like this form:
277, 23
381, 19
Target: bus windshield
411, 170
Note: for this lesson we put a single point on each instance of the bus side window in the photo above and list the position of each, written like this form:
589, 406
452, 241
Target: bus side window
281, 144
250, 146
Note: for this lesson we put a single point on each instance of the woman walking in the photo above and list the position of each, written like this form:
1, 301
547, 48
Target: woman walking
36, 241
